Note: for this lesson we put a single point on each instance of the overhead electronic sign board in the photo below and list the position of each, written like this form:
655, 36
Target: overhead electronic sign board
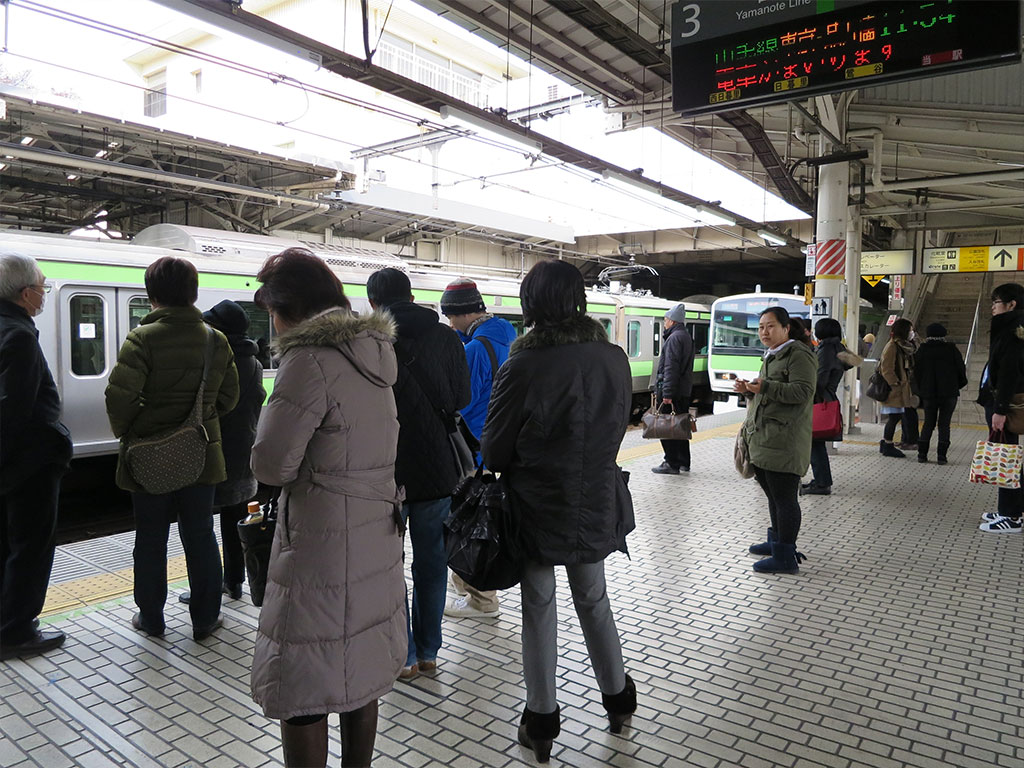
976, 258
732, 54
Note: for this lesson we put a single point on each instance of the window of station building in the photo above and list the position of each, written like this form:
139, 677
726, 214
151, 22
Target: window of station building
633, 338
155, 99
88, 355
431, 69
138, 308
699, 334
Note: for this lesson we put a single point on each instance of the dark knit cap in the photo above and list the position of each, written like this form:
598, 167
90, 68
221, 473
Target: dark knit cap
936, 330
228, 318
461, 298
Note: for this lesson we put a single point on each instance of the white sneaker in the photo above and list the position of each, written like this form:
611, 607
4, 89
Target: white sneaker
990, 517
460, 608
1002, 525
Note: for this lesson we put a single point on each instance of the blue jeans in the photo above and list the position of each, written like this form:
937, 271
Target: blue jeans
194, 508
429, 576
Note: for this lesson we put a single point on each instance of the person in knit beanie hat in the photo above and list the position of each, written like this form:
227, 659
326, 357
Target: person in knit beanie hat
461, 297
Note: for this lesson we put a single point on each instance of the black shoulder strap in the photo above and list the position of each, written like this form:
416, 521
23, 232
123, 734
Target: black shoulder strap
491, 354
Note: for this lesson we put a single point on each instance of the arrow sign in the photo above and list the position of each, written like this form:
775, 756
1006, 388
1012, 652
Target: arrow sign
873, 280
1002, 256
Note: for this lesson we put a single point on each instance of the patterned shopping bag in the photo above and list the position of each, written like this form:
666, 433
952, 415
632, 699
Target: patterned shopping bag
997, 463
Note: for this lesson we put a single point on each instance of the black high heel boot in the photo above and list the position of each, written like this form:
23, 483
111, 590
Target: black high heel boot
538, 731
620, 705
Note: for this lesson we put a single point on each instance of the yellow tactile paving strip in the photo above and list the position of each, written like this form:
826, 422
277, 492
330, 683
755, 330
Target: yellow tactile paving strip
80, 593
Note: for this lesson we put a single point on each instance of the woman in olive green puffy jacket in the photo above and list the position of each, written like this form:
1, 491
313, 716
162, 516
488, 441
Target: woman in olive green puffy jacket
777, 432
152, 389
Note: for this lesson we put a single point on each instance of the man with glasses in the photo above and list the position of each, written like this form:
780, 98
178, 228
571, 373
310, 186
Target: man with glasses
35, 450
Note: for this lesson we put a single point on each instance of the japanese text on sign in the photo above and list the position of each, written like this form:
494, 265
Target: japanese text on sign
978, 258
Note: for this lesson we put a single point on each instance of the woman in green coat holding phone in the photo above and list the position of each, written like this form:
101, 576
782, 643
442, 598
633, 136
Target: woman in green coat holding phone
777, 431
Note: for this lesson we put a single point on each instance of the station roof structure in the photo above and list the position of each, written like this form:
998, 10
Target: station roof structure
946, 153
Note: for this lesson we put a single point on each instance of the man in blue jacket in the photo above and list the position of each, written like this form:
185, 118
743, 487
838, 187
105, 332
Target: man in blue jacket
487, 339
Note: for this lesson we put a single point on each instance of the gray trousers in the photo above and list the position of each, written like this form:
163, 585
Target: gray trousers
540, 631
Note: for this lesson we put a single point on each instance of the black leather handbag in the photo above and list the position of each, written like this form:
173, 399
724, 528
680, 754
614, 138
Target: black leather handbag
878, 388
481, 535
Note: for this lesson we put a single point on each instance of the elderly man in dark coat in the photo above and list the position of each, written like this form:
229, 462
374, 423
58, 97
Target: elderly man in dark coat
35, 450
674, 385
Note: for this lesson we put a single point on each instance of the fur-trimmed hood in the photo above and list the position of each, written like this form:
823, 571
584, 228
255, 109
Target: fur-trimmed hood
576, 330
365, 340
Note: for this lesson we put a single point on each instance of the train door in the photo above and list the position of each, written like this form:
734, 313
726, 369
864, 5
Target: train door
87, 351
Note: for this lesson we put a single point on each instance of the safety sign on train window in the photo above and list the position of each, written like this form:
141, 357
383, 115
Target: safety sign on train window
976, 258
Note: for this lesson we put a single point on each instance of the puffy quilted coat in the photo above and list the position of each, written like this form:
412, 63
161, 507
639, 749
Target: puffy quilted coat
332, 633
675, 368
426, 466
939, 370
778, 423
897, 367
154, 383
558, 412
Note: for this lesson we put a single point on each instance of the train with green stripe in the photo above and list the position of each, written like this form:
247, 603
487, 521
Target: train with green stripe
98, 296
736, 349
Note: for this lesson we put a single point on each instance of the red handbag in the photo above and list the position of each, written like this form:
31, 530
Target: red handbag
826, 421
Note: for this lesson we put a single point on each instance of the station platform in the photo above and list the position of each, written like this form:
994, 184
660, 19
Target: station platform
897, 644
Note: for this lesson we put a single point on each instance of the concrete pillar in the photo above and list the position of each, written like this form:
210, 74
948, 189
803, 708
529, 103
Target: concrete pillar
851, 326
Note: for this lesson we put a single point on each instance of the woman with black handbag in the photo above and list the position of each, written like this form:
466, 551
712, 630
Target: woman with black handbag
558, 412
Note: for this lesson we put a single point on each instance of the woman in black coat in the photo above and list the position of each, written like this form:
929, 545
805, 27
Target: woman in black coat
1002, 379
558, 412
834, 360
238, 432
940, 375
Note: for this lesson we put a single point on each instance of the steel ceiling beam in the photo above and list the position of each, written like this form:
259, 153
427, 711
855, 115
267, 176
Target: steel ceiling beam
235, 19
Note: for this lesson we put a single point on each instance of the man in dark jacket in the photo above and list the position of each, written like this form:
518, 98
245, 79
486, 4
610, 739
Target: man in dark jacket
940, 375
1002, 379
35, 450
674, 385
433, 383
487, 339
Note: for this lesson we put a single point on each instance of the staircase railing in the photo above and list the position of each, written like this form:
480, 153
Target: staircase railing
974, 325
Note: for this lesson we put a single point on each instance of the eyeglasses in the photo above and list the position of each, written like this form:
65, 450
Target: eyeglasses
997, 301
41, 288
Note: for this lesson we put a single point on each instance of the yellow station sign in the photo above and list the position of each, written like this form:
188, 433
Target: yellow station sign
975, 258
873, 280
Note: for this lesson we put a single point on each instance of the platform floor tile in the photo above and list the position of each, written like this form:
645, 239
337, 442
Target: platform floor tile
897, 644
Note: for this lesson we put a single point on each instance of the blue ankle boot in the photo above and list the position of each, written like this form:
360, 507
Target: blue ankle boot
764, 548
784, 559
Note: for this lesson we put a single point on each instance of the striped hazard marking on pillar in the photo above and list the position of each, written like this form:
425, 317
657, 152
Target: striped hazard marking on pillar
830, 259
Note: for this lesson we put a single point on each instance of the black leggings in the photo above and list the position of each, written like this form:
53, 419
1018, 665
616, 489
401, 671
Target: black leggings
890, 425
782, 489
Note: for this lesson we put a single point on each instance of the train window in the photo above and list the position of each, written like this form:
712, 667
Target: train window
699, 334
607, 327
88, 356
657, 338
517, 322
138, 308
260, 329
633, 338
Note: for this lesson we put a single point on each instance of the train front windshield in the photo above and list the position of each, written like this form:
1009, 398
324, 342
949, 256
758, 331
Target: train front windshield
734, 323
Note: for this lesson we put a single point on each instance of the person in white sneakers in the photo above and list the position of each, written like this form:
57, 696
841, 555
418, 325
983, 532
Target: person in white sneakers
487, 339
1002, 378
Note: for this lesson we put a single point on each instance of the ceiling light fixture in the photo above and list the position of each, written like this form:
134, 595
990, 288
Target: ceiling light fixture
771, 237
28, 140
723, 219
506, 135
72, 176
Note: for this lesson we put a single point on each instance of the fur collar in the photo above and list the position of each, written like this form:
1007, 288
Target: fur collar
576, 330
334, 328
